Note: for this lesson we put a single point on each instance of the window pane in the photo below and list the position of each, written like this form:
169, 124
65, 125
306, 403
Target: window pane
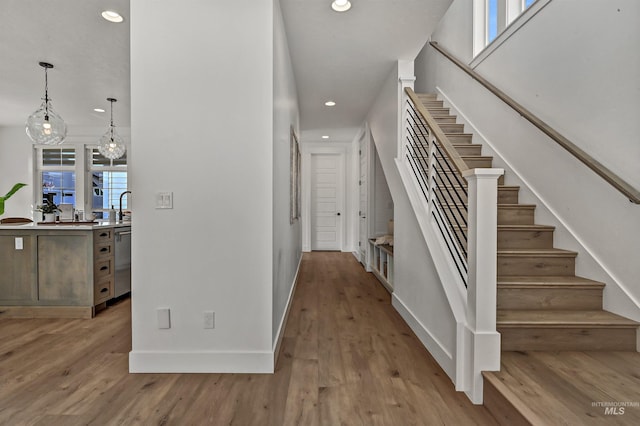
58, 157
492, 25
98, 160
106, 189
528, 3
59, 187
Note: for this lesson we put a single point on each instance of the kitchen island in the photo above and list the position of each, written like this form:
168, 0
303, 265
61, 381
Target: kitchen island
62, 270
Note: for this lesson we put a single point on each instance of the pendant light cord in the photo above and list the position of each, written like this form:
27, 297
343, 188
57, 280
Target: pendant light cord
46, 95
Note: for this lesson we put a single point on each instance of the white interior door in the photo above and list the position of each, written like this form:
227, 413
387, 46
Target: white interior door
327, 194
362, 204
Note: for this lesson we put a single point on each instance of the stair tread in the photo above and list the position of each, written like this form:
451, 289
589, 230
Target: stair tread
516, 206
547, 281
561, 319
540, 251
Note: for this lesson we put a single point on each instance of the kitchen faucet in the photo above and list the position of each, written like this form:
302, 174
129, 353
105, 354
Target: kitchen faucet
120, 214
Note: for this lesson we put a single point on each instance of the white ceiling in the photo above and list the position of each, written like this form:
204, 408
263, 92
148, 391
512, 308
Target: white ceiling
344, 57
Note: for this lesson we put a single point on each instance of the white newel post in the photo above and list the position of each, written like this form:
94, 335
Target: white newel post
484, 340
403, 82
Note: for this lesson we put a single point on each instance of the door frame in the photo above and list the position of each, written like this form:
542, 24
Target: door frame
307, 151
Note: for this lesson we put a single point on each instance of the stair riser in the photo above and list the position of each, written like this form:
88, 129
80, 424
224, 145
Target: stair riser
452, 128
523, 239
460, 138
568, 339
535, 265
469, 149
550, 298
439, 112
433, 104
505, 196
446, 119
515, 216
479, 162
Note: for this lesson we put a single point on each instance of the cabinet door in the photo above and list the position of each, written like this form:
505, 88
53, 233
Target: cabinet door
17, 272
64, 271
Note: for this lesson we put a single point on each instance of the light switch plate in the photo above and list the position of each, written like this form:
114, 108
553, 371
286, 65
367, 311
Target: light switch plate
164, 200
164, 318
19, 243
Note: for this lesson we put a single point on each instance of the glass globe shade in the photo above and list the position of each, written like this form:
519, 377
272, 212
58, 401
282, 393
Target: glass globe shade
112, 145
45, 126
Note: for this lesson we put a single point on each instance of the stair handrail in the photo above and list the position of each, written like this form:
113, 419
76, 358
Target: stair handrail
458, 162
613, 179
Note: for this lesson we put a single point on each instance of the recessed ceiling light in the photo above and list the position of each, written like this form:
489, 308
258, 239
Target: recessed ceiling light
341, 5
112, 16
325, 137
330, 103
98, 110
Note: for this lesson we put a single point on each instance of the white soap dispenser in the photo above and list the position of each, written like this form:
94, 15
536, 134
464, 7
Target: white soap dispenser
112, 215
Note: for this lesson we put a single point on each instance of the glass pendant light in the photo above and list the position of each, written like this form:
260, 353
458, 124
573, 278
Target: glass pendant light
111, 144
45, 126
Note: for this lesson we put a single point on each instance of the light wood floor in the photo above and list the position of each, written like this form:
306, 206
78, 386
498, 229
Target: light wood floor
347, 359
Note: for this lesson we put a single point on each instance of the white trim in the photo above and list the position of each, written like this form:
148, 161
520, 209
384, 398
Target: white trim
482, 52
439, 352
200, 362
277, 342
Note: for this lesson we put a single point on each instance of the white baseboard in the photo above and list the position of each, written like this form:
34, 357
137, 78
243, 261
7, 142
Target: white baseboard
283, 321
442, 356
200, 362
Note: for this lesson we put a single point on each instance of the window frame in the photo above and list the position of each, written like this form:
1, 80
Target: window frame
512, 14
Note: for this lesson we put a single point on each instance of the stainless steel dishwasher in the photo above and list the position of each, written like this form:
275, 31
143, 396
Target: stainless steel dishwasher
123, 261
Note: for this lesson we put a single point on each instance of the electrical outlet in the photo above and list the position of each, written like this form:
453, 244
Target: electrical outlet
19, 243
209, 319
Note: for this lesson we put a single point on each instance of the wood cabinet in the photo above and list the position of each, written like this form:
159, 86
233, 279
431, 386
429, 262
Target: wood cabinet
56, 271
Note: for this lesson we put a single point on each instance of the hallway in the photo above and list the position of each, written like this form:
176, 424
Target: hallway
346, 358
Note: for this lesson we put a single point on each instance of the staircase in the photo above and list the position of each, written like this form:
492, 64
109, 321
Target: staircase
542, 305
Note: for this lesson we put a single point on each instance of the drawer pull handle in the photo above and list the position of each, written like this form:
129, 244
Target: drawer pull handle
104, 234
104, 290
104, 268
104, 249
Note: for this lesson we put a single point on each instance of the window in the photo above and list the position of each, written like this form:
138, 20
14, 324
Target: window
492, 17
57, 176
107, 180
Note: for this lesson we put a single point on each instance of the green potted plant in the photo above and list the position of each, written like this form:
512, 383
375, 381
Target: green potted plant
49, 210
13, 190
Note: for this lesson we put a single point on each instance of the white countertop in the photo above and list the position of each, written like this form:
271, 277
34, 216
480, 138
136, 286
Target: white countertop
70, 226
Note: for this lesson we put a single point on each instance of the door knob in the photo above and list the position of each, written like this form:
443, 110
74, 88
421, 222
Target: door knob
338, 214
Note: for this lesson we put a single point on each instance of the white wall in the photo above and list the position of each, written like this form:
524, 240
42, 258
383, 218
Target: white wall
287, 238
418, 294
16, 165
382, 201
571, 65
202, 95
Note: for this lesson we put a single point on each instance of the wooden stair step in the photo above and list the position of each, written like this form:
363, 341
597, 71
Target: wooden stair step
549, 292
516, 214
477, 161
465, 149
452, 128
445, 119
543, 261
507, 194
456, 138
561, 388
431, 103
565, 330
525, 236
438, 111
